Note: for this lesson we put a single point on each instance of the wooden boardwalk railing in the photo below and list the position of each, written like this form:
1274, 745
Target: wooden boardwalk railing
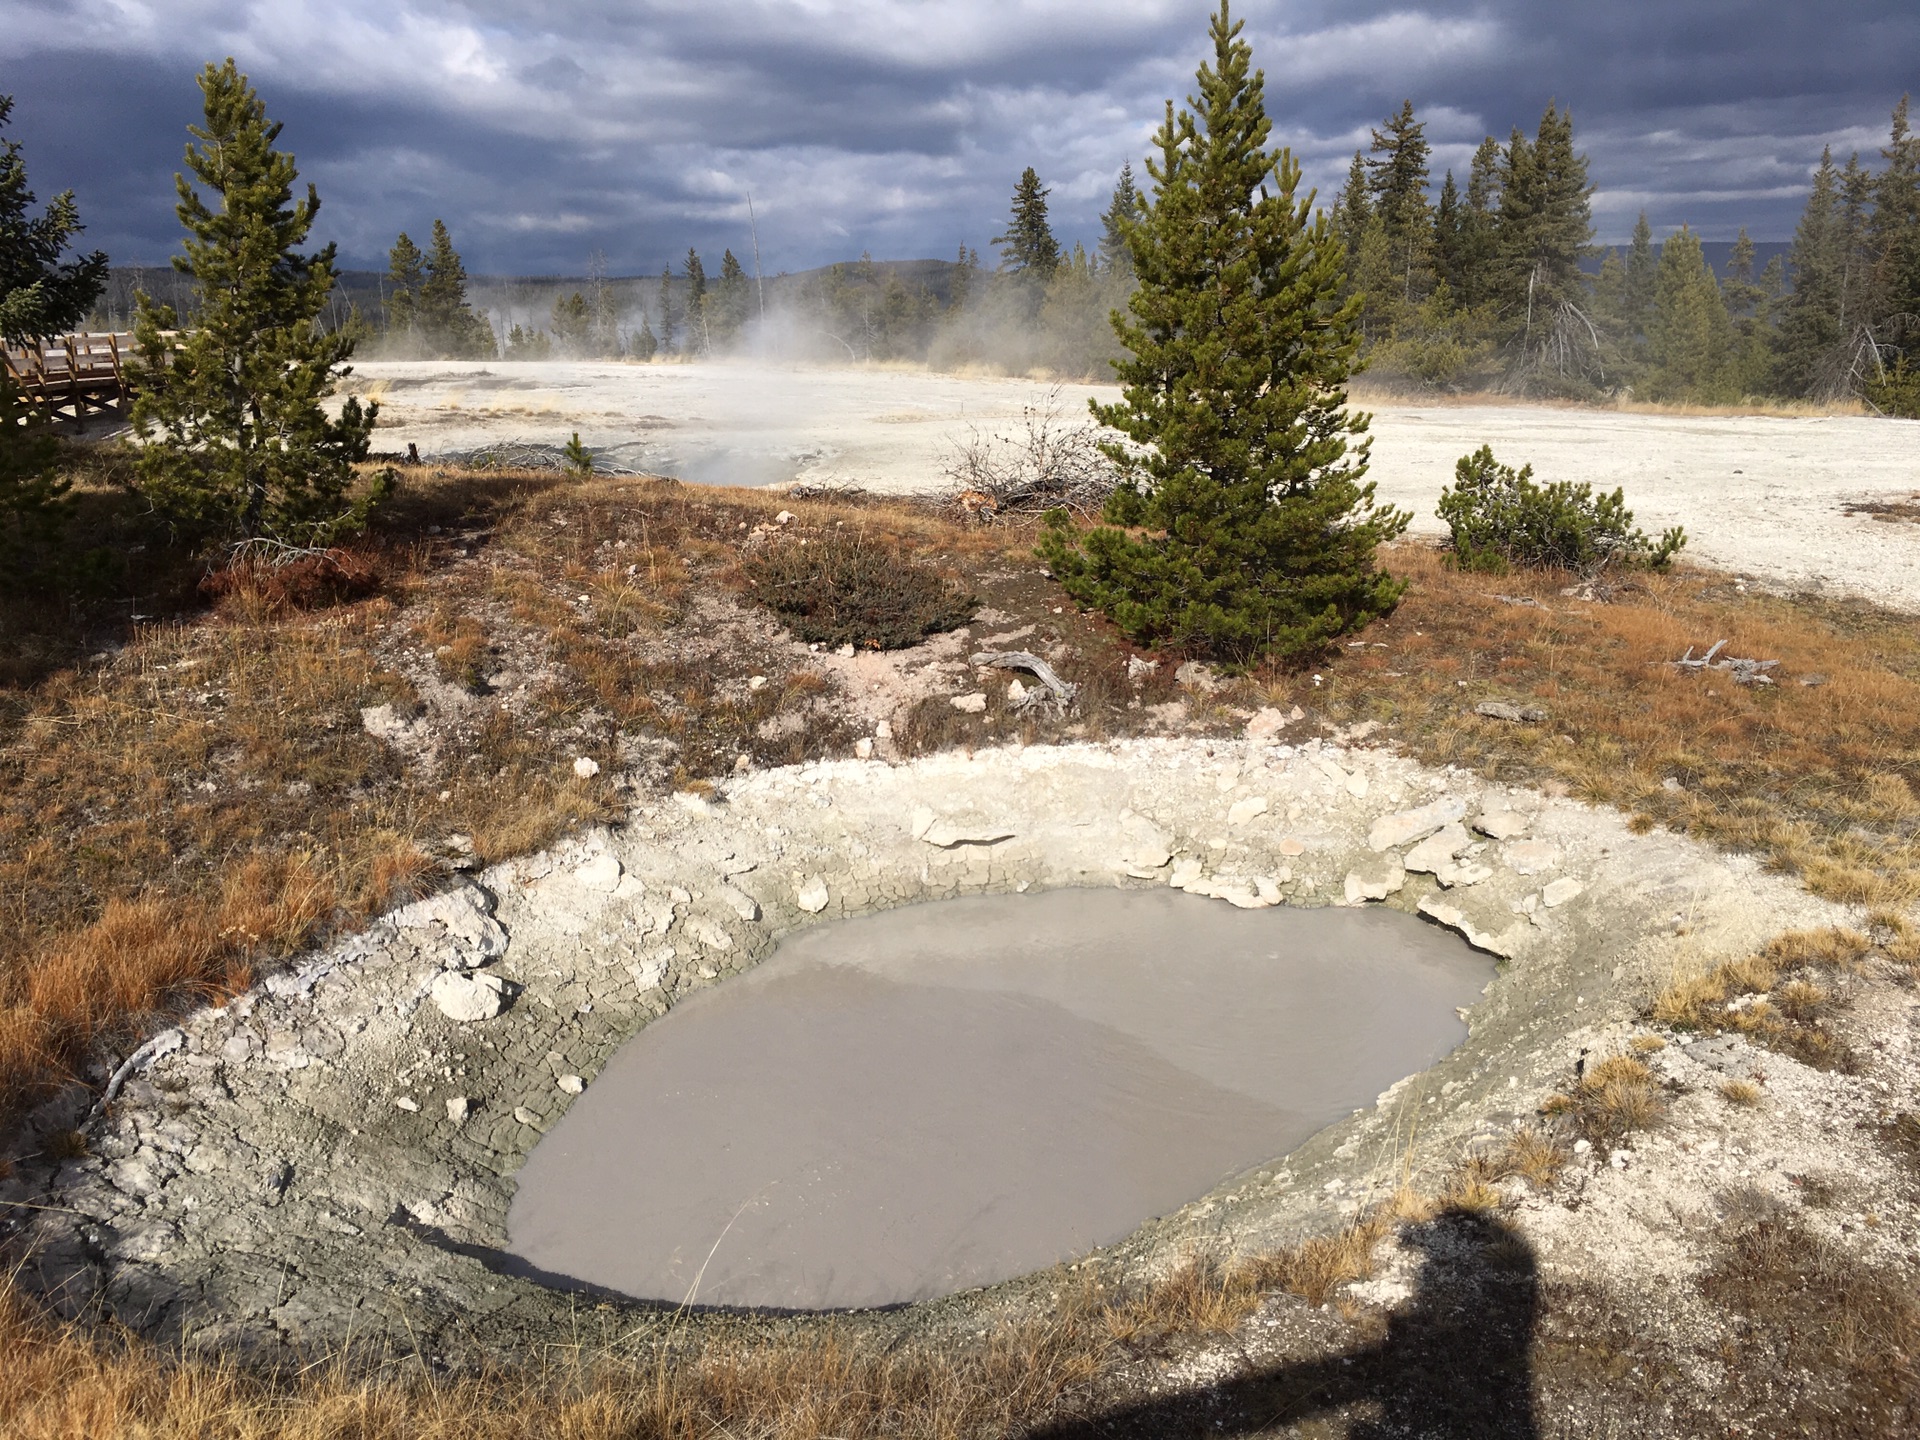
72, 376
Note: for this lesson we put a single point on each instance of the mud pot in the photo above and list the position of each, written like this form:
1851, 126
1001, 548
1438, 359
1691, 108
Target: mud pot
908, 1104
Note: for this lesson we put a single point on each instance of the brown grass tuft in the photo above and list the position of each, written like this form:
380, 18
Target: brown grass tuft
1613, 1098
1740, 1092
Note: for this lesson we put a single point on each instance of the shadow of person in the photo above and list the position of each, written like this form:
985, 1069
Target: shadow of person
1453, 1364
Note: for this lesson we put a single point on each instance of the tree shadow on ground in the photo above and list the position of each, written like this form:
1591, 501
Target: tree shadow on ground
1454, 1363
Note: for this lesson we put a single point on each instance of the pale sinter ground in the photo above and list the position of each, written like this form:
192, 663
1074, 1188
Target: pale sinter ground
1762, 497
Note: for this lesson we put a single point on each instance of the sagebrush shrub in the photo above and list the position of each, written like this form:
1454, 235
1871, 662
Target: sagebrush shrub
850, 590
1498, 518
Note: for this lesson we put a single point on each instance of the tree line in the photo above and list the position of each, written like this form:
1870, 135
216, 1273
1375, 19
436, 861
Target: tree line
1487, 287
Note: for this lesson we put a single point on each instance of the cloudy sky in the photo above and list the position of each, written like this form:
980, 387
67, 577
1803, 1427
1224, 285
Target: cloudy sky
543, 131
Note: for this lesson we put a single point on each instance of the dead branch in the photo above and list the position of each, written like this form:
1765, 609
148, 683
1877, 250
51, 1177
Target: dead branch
1059, 690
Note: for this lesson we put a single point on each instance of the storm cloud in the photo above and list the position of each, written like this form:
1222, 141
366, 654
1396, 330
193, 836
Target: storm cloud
545, 131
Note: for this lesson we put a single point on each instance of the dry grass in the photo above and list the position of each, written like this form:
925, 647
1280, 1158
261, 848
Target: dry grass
1743, 1093
1772, 997
1610, 1100
1819, 780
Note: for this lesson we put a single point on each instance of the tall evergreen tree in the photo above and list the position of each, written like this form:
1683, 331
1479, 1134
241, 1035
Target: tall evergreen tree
407, 275
1810, 326
238, 445
1473, 282
730, 299
1546, 223
1894, 234
1689, 338
41, 293
1858, 272
1028, 248
1253, 529
1397, 181
960, 284
573, 325
448, 323
1449, 213
1642, 266
1122, 210
1353, 210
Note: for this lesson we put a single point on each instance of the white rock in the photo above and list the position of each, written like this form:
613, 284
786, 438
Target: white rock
708, 934
1531, 857
741, 903
572, 1084
586, 767
601, 873
756, 682
1375, 880
1457, 918
1357, 785
1502, 824
1186, 873
1244, 895
526, 1116
458, 1108
693, 802
1266, 722
845, 652
883, 731
1248, 809
407, 1103
863, 748
812, 895
1016, 692
1455, 873
1269, 887
648, 973
973, 704
1392, 831
785, 517
465, 913
468, 998
1561, 891
1436, 852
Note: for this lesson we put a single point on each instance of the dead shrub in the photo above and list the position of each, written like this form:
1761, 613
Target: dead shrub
1611, 1099
850, 589
258, 584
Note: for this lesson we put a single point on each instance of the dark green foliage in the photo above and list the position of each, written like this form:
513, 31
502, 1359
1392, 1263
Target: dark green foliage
447, 323
238, 444
40, 294
849, 590
572, 324
527, 344
730, 300
33, 495
1689, 338
1499, 518
1397, 183
1250, 530
407, 274
1811, 326
1896, 391
577, 458
699, 330
1028, 248
645, 343
1122, 210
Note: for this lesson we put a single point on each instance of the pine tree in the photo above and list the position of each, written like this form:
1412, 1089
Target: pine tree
1473, 284
1858, 300
1689, 338
40, 293
730, 299
669, 313
1894, 235
1642, 266
961, 280
1253, 531
1397, 184
646, 344
1028, 248
1353, 212
1448, 231
1749, 309
573, 324
1811, 326
447, 323
407, 274
238, 445
1545, 226
699, 327
1122, 210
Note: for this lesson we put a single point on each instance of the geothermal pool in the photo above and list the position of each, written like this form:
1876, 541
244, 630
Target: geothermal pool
900, 1106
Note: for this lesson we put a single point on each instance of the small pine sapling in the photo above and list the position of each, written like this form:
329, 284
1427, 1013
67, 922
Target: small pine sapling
1498, 518
577, 458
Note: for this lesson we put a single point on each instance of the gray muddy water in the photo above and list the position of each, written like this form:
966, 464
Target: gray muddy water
915, 1102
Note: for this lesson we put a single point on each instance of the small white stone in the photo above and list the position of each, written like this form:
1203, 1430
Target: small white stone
1248, 809
863, 748
812, 895
845, 652
407, 1103
974, 704
1266, 722
525, 1116
741, 903
883, 731
458, 1108
1501, 824
785, 517
601, 873
1561, 891
468, 998
572, 1084
756, 682
586, 767
1016, 692
1581, 1147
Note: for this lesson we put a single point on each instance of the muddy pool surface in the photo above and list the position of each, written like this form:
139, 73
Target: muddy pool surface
903, 1105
